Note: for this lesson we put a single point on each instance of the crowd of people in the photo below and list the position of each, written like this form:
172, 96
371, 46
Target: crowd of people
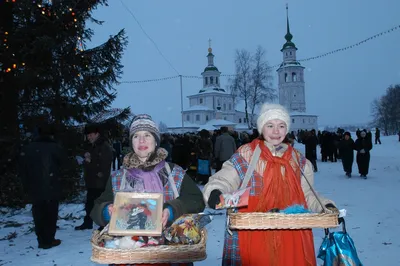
172, 164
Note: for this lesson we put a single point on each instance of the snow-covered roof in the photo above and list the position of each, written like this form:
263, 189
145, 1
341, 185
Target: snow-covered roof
199, 108
185, 125
209, 91
242, 127
220, 122
301, 114
206, 127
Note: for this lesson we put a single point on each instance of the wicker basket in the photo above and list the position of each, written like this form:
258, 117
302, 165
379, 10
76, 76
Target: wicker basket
156, 254
264, 221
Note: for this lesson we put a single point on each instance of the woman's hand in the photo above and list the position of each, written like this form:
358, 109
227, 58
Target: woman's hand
165, 217
110, 208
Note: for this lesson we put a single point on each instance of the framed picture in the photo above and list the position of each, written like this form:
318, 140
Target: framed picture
136, 214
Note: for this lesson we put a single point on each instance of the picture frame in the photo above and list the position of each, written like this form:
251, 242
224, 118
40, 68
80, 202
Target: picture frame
136, 214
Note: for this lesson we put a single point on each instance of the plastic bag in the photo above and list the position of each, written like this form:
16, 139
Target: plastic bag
338, 249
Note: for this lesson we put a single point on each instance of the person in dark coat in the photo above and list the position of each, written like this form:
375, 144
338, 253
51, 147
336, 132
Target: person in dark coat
363, 145
377, 136
166, 144
40, 168
204, 151
225, 146
310, 141
325, 146
97, 169
346, 150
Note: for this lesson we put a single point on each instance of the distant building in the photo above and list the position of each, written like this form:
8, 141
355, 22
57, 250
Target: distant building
212, 107
292, 86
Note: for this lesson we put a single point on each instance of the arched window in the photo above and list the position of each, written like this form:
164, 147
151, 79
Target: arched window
211, 80
206, 117
294, 76
197, 117
188, 118
206, 80
201, 100
286, 77
216, 80
240, 120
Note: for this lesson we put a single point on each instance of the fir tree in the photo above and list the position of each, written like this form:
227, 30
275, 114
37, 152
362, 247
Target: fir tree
48, 73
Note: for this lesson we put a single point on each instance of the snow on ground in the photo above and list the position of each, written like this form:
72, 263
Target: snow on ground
373, 218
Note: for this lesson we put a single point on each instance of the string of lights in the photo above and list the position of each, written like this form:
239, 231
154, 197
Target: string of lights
151, 80
277, 65
47, 12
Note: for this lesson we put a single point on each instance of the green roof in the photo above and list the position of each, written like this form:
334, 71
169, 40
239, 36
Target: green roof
289, 44
211, 68
214, 89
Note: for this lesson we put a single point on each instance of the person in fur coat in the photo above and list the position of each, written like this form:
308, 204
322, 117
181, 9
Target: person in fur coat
278, 181
145, 170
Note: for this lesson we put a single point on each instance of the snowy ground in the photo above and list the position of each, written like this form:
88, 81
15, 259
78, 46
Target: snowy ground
373, 218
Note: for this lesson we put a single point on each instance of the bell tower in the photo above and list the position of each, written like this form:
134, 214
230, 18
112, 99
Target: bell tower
291, 75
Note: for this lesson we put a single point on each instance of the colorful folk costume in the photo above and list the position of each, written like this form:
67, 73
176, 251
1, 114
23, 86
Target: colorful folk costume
279, 181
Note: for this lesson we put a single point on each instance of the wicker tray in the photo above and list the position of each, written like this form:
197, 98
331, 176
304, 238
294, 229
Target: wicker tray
264, 221
157, 254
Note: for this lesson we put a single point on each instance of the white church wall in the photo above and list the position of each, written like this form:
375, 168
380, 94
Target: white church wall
304, 122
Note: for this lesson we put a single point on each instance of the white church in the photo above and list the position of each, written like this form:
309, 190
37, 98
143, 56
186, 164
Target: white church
213, 107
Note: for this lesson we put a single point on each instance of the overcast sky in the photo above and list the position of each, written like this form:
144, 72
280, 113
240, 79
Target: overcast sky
339, 87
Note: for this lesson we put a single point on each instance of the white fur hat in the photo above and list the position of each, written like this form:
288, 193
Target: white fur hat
270, 111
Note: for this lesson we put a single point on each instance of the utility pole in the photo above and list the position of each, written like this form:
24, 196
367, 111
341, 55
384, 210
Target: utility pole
180, 78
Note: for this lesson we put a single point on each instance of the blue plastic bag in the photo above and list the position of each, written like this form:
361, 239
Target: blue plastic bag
338, 249
203, 167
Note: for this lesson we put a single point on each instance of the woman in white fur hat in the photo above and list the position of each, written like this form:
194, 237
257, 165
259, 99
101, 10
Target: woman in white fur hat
276, 183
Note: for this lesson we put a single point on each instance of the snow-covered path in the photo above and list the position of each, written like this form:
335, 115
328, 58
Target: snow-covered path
373, 218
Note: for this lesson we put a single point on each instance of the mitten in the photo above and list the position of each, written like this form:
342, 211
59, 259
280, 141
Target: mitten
213, 200
331, 207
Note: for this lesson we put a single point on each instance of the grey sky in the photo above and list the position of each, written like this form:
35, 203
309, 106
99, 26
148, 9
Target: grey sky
339, 87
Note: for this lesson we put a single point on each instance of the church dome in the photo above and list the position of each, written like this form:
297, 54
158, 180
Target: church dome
211, 68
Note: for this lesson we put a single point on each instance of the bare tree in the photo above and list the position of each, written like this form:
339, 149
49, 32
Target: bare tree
380, 118
162, 127
261, 88
386, 110
252, 82
240, 84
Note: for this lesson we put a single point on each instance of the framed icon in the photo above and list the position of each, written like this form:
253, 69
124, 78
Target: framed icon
136, 214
